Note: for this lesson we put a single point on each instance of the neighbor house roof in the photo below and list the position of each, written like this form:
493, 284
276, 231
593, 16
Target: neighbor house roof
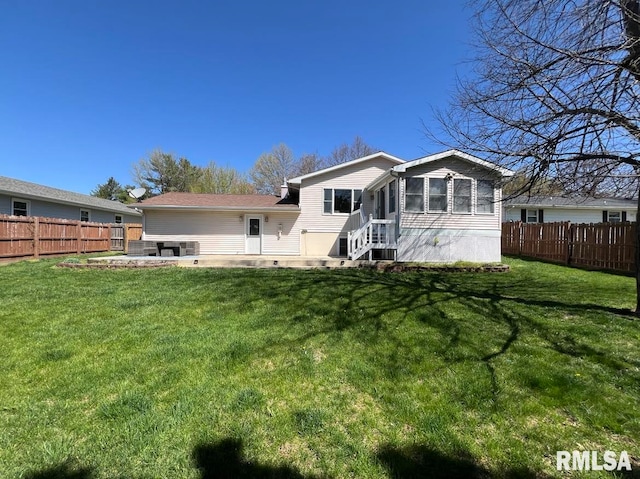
381, 154
218, 202
581, 202
34, 191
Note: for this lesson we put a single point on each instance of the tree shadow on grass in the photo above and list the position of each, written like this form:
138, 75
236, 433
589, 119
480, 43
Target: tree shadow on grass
225, 460
63, 471
420, 461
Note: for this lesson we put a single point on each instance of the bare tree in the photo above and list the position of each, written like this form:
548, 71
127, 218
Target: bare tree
347, 152
554, 93
271, 169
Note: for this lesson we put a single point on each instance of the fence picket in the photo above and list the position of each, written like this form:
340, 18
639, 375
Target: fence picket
25, 236
609, 246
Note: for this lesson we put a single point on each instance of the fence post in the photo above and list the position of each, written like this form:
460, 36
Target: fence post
109, 240
79, 235
569, 248
36, 237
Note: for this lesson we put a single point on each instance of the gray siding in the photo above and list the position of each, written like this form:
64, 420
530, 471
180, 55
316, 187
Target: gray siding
575, 215
48, 209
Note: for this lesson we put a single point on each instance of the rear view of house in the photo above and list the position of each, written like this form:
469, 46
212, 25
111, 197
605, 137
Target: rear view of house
440, 208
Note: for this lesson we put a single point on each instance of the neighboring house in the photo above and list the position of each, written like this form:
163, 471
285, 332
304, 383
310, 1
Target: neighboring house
21, 198
549, 209
440, 208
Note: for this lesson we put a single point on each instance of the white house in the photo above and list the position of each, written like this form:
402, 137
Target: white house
550, 209
440, 208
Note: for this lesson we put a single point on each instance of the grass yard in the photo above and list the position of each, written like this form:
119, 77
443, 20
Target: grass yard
197, 373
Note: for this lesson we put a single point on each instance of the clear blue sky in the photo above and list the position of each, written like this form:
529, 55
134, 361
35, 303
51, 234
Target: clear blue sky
88, 88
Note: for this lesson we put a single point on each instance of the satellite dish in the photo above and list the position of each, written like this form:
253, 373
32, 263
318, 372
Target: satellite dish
137, 193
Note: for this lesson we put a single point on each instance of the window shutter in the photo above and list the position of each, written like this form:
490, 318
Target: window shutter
624, 216
523, 215
605, 216
540, 216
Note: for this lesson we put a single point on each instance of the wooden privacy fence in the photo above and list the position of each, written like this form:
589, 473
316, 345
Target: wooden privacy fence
609, 246
27, 236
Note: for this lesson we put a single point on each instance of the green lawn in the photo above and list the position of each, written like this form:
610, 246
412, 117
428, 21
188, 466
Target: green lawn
201, 373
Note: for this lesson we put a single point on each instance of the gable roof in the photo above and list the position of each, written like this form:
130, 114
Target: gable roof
381, 154
218, 202
581, 202
455, 154
34, 191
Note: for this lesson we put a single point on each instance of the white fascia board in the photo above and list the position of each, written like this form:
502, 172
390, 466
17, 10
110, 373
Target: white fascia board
297, 180
456, 154
264, 209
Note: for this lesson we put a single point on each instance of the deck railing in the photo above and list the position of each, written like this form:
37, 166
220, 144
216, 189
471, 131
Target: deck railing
374, 234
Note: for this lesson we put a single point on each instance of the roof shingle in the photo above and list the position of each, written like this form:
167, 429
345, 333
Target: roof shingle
201, 200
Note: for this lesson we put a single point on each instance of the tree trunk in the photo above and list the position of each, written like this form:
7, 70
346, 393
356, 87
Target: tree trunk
637, 256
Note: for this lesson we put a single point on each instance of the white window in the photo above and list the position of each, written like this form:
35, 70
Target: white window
392, 197
462, 196
485, 197
85, 215
118, 219
414, 195
437, 195
615, 216
532, 216
341, 201
20, 207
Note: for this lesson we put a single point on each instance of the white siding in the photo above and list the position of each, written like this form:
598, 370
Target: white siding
449, 245
222, 232
459, 169
313, 218
288, 243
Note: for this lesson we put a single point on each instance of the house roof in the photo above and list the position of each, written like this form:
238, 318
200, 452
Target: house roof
34, 191
581, 202
218, 202
381, 154
403, 167
456, 154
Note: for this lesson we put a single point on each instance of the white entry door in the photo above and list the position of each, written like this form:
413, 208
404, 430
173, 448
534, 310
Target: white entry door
253, 233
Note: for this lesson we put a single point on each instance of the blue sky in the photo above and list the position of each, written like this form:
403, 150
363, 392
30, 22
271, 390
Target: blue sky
88, 88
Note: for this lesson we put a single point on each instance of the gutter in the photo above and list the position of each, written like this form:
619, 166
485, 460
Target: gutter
265, 209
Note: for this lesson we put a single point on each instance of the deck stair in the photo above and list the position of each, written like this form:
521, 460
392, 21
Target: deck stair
375, 234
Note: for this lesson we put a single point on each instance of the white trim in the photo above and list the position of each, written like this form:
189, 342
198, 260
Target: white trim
455, 154
381, 154
264, 209
22, 200
333, 201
